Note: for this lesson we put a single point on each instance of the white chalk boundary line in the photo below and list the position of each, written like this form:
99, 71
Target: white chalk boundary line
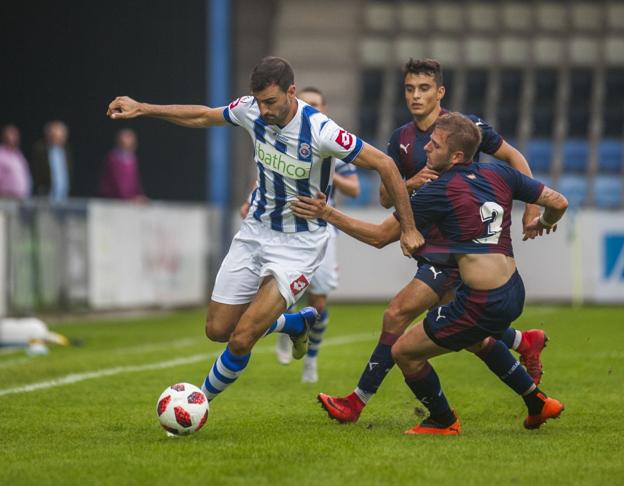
91, 375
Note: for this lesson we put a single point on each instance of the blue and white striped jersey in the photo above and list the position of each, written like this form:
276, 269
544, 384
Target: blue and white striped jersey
295, 160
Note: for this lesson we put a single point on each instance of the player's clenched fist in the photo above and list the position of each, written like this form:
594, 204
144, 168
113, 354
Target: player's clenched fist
124, 107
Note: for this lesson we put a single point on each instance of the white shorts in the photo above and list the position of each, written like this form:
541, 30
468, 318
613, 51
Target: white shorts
257, 251
326, 277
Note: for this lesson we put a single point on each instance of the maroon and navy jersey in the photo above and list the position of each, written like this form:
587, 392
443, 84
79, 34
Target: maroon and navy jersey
468, 210
407, 145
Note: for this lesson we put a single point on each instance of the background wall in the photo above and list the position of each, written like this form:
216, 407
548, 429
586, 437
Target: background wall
68, 60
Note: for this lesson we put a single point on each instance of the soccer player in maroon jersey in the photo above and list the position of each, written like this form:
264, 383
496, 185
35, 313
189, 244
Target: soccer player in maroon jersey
433, 283
465, 218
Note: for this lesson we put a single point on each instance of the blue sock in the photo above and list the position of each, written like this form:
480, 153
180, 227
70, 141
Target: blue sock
508, 338
316, 333
225, 370
498, 358
379, 364
291, 324
426, 386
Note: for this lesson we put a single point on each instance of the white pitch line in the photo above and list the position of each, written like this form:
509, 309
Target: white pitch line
91, 375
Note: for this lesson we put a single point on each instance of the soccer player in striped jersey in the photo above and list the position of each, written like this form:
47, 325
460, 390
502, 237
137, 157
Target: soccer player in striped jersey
465, 216
432, 284
325, 279
275, 254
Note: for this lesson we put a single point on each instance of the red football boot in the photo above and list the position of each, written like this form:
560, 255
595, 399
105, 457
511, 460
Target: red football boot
530, 349
551, 410
343, 409
431, 427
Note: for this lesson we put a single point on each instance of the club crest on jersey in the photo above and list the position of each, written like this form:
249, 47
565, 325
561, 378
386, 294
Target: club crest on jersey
304, 150
344, 139
299, 284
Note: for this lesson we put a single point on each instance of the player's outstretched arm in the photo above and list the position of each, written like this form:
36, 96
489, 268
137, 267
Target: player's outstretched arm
377, 235
555, 206
192, 116
508, 153
372, 158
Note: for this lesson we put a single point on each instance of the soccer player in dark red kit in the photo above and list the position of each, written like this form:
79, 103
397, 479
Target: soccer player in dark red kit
465, 217
432, 284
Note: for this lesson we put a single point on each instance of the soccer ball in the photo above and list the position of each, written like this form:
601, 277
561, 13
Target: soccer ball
182, 409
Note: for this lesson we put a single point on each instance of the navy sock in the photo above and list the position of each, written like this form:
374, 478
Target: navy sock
498, 358
535, 401
508, 337
379, 364
426, 386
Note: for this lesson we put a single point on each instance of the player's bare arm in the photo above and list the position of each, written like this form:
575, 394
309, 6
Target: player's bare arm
377, 235
411, 184
555, 205
191, 116
508, 153
372, 158
348, 185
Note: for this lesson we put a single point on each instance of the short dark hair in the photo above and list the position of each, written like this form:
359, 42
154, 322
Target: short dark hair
430, 67
272, 70
312, 89
462, 134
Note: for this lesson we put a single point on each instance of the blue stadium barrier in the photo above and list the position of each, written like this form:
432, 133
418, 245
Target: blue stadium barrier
608, 192
574, 188
610, 156
539, 153
575, 154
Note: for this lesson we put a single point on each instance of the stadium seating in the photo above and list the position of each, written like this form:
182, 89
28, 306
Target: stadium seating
539, 153
608, 192
543, 178
574, 188
610, 156
575, 154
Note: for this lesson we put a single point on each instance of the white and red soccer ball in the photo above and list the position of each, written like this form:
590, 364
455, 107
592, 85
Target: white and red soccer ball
182, 409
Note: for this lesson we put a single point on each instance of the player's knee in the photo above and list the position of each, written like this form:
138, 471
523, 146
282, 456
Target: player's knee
215, 333
240, 344
399, 352
395, 320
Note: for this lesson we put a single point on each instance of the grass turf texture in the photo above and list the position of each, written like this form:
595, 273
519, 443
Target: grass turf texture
268, 429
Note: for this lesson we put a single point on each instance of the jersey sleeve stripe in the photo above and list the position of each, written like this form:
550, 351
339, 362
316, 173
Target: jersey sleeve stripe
355, 152
228, 118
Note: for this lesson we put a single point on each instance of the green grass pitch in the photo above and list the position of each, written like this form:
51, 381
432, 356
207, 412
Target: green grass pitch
92, 418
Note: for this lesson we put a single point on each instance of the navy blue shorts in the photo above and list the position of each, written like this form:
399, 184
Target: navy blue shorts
439, 278
475, 315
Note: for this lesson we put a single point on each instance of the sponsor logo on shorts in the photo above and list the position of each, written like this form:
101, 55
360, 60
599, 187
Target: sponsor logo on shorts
344, 139
299, 284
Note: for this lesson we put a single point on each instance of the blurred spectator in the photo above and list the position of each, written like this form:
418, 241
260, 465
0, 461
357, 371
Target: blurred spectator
52, 163
15, 179
120, 177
